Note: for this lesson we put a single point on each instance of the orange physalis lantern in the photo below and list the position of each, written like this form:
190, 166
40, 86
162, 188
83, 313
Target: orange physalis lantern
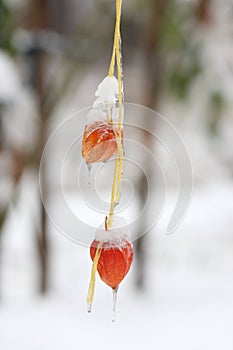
112, 255
99, 142
114, 261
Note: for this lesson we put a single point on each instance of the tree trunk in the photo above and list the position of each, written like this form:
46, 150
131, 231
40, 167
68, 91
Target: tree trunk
203, 11
18, 161
42, 239
2, 210
153, 70
36, 18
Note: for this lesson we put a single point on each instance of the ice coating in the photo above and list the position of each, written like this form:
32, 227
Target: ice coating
104, 107
96, 115
117, 232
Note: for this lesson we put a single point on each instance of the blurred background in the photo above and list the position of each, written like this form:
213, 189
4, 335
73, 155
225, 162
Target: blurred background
178, 60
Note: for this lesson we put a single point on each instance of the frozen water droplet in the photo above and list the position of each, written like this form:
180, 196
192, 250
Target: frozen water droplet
116, 204
89, 174
114, 303
89, 306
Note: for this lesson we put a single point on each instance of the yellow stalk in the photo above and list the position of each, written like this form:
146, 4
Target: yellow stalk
116, 186
91, 288
121, 157
115, 195
116, 37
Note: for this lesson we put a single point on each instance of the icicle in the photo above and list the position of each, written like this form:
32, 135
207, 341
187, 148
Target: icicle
89, 166
89, 307
114, 303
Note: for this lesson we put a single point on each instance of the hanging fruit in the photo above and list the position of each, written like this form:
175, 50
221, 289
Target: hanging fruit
99, 141
114, 261
111, 251
112, 255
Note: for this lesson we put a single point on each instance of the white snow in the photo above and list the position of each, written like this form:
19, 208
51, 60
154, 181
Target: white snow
187, 305
10, 83
108, 89
104, 107
19, 119
118, 232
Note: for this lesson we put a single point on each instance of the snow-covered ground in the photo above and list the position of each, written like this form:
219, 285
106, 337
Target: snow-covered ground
187, 302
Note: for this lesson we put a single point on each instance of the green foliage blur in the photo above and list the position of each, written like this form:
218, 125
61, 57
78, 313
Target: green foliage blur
6, 30
180, 48
179, 45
